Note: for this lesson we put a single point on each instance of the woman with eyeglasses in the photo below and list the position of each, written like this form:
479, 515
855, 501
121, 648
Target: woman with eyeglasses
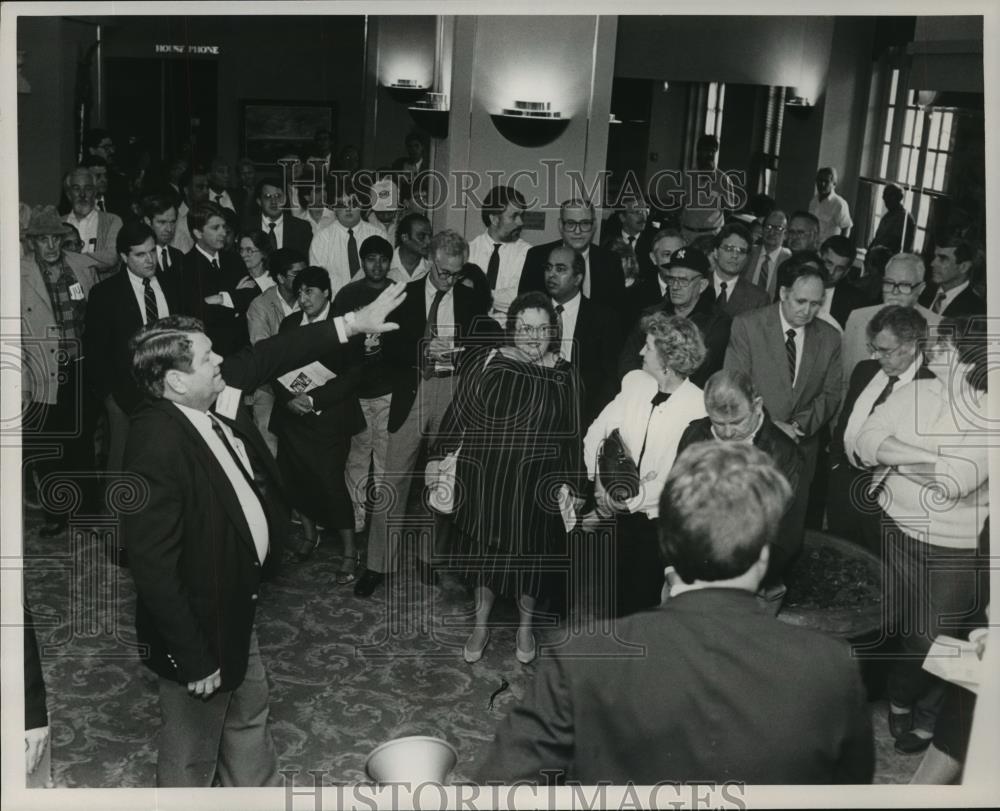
655, 405
928, 443
255, 249
514, 420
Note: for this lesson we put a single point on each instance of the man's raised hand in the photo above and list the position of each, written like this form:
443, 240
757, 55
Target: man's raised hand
371, 319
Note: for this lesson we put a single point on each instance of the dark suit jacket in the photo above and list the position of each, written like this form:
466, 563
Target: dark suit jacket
337, 400
788, 459
642, 295
297, 233
113, 317
713, 322
403, 348
707, 694
611, 229
595, 354
607, 279
757, 348
226, 326
967, 302
846, 299
176, 261
743, 297
189, 545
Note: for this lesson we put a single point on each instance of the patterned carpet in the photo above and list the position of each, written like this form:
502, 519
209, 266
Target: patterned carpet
346, 673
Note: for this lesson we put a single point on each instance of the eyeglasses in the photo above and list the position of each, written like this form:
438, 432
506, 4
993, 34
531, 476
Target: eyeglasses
578, 225
880, 352
905, 288
277, 195
679, 281
775, 228
734, 250
540, 331
447, 274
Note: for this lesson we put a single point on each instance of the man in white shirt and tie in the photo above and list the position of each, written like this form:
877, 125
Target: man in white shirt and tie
281, 228
336, 247
159, 212
500, 251
218, 183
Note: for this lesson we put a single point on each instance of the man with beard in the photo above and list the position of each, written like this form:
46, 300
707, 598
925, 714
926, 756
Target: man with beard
499, 250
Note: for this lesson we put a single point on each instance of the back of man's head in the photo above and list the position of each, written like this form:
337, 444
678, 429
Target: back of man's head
721, 504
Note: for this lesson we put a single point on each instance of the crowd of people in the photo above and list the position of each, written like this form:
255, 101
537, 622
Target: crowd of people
261, 346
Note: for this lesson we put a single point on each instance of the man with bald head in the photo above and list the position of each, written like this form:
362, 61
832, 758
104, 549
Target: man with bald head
98, 229
902, 284
603, 279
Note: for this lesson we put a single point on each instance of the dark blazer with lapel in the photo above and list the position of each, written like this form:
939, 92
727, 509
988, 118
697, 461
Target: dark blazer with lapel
713, 323
189, 545
846, 299
113, 317
743, 297
176, 268
296, 234
666, 712
611, 230
967, 302
607, 279
337, 400
402, 349
757, 348
597, 340
227, 327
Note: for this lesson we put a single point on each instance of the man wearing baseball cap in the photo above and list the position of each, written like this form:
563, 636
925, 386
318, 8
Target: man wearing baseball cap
56, 409
689, 294
385, 207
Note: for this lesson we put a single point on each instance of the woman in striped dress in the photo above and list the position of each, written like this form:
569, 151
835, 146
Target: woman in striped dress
514, 417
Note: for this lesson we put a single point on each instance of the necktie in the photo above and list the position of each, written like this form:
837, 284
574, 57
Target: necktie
149, 298
631, 242
938, 304
215, 263
430, 331
721, 300
790, 351
100, 204
164, 259
353, 261
255, 479
271, 236
562, 333
658, 398
493, 269
765, 271
893, 380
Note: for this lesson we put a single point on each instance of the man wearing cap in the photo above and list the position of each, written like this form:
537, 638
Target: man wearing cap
282, 229
689, 294
98, 229
385, 206
499, 250
336, 248
375, 391
56, 407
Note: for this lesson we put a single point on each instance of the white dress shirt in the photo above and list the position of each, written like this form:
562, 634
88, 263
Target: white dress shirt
162, 311
800, 342
398, 273
832, 213
717, 281
863, 405
325, 219
329, 250
570, 313
279, 229
163, 258
511, 264
87, 228
252, 508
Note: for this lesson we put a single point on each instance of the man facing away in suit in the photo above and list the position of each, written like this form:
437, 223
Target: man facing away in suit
895, 335
212, 517
604, 278
733, 293
714, 687
793, 359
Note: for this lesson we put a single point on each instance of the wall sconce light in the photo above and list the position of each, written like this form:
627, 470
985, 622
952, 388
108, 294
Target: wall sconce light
405, 91
530, 123
614, 119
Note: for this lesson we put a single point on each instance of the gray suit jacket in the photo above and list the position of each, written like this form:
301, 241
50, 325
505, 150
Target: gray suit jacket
744, 297
265, 315
772, 277
757, 347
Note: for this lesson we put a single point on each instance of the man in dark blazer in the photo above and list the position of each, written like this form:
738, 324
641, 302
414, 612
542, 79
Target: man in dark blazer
604, 279
895, 334
950, 294
733, 293
590, 333
690, 294
793, 359
117, 309
437, 323
631, 224
838, 254
706, 684
210, 520
159, 212
211, 278
270, 215
650, 289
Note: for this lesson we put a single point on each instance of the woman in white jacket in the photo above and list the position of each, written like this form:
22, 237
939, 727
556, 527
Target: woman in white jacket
652, 410
931, 443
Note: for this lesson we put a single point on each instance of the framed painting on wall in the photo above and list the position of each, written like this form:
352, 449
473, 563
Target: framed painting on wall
269, 130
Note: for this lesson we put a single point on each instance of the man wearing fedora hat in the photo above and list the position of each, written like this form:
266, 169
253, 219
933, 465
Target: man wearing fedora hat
56, 410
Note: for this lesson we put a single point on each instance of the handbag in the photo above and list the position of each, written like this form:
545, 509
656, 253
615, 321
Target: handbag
441, 483
619, 474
